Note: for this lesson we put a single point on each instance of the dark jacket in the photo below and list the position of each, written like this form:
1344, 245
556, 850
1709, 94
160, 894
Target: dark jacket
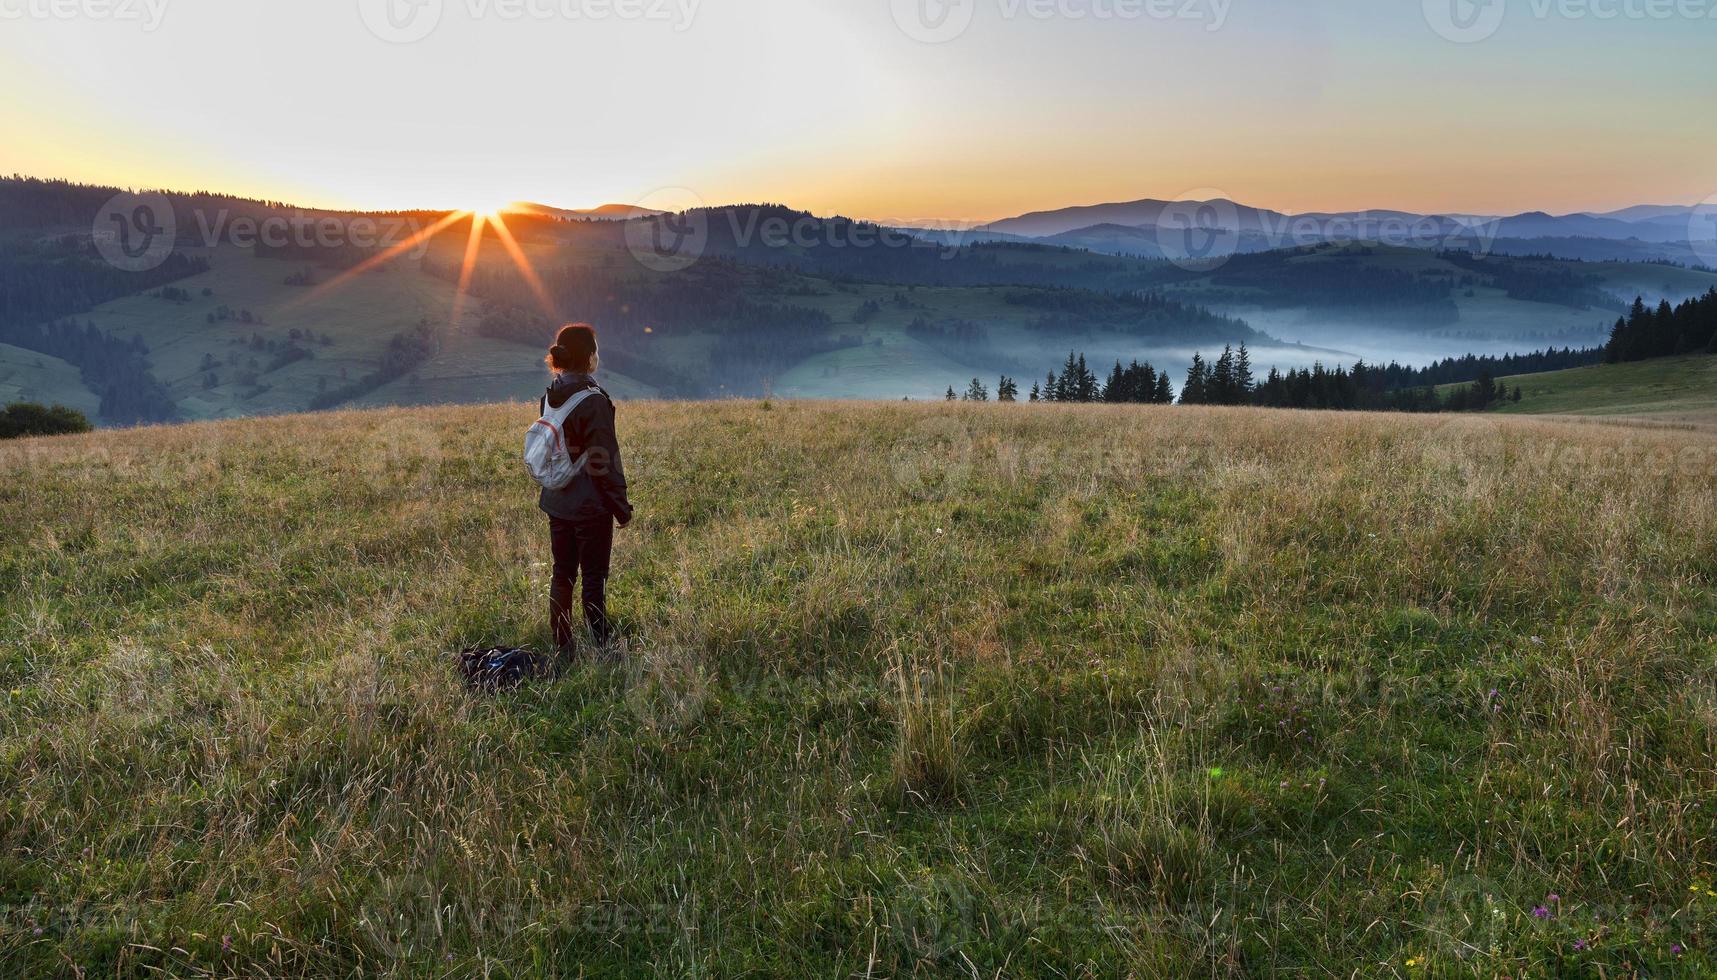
599, 490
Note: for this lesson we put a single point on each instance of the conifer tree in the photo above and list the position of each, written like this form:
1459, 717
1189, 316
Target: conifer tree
1087, 382
1220, 388
1194, 391
1165, 390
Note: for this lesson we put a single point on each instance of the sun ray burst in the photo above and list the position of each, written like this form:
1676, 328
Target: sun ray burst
481, 221
523, 263
469, 266
381, 259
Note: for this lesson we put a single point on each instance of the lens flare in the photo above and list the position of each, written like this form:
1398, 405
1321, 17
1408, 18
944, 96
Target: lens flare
481, 221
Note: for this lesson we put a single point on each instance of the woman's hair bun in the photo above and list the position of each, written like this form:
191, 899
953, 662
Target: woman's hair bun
574, 348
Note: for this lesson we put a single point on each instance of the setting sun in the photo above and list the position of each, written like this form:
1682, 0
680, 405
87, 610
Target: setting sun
492, 208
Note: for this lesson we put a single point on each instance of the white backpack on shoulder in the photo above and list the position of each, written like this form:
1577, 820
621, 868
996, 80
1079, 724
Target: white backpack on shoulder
546, 455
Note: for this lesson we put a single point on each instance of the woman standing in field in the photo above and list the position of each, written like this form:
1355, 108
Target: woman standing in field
582, 516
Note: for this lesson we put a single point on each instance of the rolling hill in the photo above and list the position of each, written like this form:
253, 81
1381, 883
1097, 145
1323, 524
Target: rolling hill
780, 301
1669, 390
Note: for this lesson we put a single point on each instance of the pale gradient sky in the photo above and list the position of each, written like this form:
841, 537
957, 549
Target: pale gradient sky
828, 105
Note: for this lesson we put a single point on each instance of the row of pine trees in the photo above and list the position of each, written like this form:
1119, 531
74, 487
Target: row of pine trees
1644, 333
1138, 384
1229, 380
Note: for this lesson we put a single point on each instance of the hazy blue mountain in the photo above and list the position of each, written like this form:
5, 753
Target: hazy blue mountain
1135, 226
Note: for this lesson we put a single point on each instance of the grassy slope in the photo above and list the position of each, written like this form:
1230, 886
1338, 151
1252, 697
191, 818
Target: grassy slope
362, 315
999, 690
1676, 389
26, 376
361, 318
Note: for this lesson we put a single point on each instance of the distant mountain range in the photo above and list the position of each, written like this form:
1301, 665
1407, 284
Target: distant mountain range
1662, 223
1157, 228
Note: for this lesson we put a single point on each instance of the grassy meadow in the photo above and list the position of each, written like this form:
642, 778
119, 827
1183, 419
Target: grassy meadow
28, 376
1675, 390
937, 690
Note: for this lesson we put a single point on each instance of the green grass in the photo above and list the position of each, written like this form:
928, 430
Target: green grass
26, 376
1672, 389
908, 690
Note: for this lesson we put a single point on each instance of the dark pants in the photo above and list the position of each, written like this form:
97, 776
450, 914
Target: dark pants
580, 548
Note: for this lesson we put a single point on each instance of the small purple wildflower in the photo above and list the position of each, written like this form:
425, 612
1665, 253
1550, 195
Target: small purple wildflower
1553, 898
226, 944
1676, 949
1541, 912
1579, 944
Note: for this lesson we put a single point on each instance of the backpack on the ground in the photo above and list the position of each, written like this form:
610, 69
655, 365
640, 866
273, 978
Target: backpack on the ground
546, 455
492, 669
